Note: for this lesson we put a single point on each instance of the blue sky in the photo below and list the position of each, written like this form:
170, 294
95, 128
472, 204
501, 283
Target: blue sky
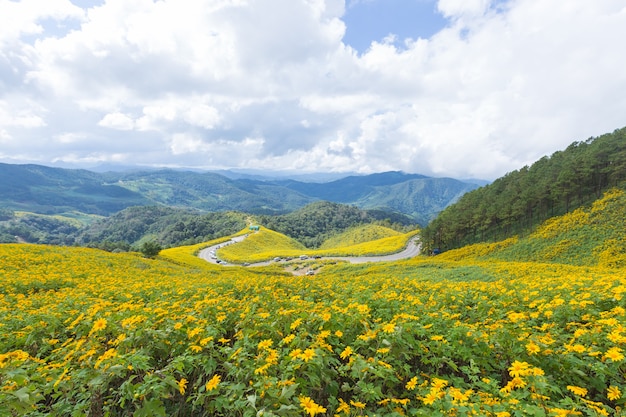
459, 88
370, 21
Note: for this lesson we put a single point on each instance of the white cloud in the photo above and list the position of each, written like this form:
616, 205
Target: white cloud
269, 84
457, 8
118, 121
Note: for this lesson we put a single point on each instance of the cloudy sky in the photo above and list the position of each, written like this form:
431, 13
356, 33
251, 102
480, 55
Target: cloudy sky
461, 88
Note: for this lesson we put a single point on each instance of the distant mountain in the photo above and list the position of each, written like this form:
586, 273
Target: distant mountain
46, 190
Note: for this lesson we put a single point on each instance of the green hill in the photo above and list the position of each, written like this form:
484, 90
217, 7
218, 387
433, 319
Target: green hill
588, 236
518, 202
319, 221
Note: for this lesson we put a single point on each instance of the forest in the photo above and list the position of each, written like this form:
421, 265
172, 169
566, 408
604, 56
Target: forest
518, 202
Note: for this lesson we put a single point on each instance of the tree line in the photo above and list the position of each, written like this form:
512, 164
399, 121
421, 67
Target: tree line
519, 201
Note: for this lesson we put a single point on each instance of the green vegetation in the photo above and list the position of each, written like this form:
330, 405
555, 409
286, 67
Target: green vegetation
168, 226
40, 228
150, 249
521, 200
317, 222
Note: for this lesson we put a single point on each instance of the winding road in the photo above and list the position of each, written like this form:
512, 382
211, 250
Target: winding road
412, 249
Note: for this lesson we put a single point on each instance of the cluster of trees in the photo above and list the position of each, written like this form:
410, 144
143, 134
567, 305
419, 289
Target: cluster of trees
519, 201
35, 228
165, 225
316, 222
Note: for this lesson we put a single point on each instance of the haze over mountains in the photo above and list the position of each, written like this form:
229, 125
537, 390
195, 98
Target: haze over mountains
46, 190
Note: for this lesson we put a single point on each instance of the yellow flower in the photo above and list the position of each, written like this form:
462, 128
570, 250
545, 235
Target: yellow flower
613, 393
358, 404
195, 348
411, 384
307, 355
346, 352
295, 324
182, 385
518, 368
98, 325
577, 390
310, 407
532, 348
615, 354
213, 383
264, 344
430, 398
389, 328
438, 383
343, 407
339, 333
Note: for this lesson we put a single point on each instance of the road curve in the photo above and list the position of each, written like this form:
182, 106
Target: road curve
412, 249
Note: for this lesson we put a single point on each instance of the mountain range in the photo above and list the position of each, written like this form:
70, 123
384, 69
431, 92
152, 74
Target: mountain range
47, 190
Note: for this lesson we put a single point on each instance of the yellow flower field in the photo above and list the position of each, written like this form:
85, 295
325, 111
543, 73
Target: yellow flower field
86, 330
90, 333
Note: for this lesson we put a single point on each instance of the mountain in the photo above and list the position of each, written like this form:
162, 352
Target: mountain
417, 196
40, 189
46, 190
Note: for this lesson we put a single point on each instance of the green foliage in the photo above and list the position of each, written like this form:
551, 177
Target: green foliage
319, 221
523, 199
39, 228
150, 249
169, 226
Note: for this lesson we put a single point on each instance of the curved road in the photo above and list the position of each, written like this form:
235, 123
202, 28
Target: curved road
412, 249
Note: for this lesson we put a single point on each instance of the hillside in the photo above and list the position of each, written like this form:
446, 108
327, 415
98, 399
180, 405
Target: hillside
518, 202
317, 222
44, 190
483, 330
588, 236
359, 234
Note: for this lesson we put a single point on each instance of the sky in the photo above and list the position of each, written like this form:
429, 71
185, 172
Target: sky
446, 88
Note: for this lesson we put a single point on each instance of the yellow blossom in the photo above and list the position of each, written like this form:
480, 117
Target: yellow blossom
613, 393
614, 354
310, 407
358, 404
98, 325
307, 355
577, 390
213, 382
411, 384
532, 348
346, 352
264, 344
182, 385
